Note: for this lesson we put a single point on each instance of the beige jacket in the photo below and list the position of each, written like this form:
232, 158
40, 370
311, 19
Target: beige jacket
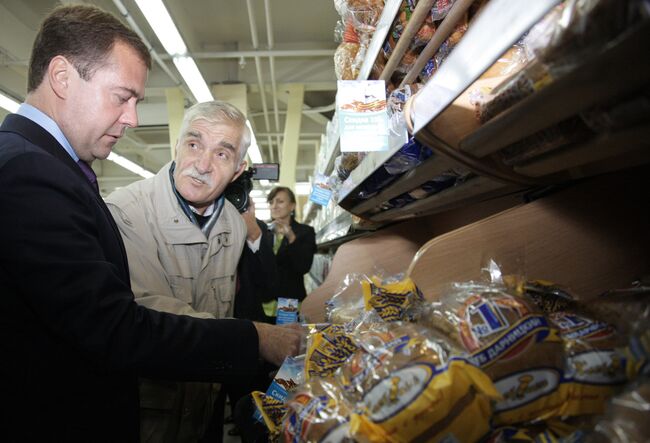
174, 268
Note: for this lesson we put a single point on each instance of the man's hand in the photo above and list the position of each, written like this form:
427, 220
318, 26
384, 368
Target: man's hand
253, 231
279, 342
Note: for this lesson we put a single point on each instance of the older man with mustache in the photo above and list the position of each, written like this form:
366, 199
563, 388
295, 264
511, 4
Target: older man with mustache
184, 241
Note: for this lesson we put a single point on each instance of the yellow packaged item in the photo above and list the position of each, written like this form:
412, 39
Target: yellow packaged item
384, 348
512, 342
422, 402
392, 300
272, 410
327, 350
317, 412
596, 364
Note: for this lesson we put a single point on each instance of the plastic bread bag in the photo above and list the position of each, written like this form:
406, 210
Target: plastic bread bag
271, 411
579, 27
625, 421
395, 298
421, 401
344, 61
596, 364
512, 341
410, 155
490, 103
384, 347
570, 131
327, 350
317, 412
363, 14
551, 431
437, 184
347, 303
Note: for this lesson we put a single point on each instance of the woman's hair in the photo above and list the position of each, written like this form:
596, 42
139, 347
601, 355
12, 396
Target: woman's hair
83, 34
289, 192
277, 189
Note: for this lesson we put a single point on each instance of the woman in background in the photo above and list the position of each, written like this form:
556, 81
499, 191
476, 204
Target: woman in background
294, 245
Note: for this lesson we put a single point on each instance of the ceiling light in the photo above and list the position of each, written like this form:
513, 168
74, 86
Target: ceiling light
253, 150
9, 104
192, 76
303, 188
128, 164
163, 26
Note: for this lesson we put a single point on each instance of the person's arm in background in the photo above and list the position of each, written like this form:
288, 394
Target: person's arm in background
261, 264
302, 247
149, 282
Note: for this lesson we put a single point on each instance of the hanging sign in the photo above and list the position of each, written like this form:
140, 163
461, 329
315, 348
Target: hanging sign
363, 120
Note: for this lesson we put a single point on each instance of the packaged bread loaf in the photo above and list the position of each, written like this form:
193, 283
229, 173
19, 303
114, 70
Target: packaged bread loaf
512, 341
424, 402
317, 412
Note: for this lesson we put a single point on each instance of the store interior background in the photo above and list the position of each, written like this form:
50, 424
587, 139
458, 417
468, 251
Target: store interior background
282, 47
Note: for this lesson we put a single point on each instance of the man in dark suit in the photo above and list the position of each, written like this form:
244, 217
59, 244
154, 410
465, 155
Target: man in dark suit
72, 339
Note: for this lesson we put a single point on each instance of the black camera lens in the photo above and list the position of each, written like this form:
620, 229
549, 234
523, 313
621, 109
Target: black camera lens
238, 191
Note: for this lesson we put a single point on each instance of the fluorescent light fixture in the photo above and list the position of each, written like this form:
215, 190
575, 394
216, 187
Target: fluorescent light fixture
253, 150
128, 164
9, 104
261, 201
303, 188
163, 26
192, 76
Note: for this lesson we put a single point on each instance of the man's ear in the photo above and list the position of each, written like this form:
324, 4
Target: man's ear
59, 75
240, 171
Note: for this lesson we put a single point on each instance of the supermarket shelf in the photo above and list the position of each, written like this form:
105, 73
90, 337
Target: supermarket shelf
620, 71
430, 168
339, 227
602, 148
420, 13
443, 31
472, 191
504, 21
391, 7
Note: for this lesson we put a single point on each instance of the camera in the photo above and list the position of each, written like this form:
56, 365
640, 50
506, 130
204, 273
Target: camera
238, 192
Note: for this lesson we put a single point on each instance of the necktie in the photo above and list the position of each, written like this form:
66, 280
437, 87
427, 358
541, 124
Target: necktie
89, 173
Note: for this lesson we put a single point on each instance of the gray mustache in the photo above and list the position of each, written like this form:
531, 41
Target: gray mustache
193, 173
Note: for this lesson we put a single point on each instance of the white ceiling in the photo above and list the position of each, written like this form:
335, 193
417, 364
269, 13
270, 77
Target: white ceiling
220, 38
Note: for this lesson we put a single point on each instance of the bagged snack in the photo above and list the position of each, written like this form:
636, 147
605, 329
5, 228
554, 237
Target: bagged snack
271, 411
393, 299
317, 412
512, 341
327, 350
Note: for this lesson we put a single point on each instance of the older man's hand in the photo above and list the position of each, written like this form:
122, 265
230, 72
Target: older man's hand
279, 342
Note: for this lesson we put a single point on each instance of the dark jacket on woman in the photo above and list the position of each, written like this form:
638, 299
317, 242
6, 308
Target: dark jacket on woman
294, 261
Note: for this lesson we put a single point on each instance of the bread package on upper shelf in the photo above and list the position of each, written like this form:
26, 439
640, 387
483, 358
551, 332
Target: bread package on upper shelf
358, 21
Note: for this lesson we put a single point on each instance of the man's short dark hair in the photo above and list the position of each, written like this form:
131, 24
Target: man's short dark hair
83, 34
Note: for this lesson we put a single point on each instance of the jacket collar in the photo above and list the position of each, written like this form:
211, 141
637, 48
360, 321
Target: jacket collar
39, 137
177, 227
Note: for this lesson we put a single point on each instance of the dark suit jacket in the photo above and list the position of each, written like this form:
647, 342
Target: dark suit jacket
256, 273
294, 261
72, 339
